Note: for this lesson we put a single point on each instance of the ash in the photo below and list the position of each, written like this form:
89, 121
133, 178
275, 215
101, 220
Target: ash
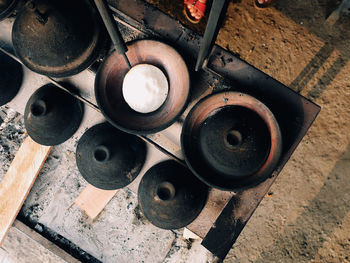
12, 134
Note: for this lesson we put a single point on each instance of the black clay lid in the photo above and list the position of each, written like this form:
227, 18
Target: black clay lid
58, 37
231, 141
170, 196
52, 116
108, 158
6, 7
234, 141
11, 76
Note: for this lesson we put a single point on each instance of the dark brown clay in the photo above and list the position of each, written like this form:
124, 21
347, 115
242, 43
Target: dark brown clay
108, 158
7, 7
109, 80
231, 141
170, 196
52, 116
58, 38
11, 76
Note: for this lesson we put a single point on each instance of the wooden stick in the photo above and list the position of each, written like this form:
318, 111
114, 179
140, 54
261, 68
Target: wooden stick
93, 200
18, 181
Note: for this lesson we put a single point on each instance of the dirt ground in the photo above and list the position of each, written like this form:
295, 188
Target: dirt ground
307, 216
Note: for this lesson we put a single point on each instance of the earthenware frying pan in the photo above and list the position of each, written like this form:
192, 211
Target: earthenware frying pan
231, 141
109, 81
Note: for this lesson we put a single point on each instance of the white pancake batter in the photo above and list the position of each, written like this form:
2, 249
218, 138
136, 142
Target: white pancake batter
145, 88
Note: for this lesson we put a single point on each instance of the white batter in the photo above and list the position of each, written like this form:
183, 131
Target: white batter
145, 88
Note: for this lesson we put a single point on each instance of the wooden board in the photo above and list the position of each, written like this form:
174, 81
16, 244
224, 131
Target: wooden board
93, 200
24, 244
18, 181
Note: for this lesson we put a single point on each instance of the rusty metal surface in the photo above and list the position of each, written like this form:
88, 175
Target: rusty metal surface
108, 158
294, 113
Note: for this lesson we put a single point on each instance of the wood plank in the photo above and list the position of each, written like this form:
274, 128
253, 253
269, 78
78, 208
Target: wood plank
23, 244
217, 201
93, 200
18, 181
38, 244
188, 234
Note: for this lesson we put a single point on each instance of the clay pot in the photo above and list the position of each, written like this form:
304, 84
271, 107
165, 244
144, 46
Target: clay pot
108, 158
109, 82
58, 38
231, 141
11, 77
52, 116
170, 196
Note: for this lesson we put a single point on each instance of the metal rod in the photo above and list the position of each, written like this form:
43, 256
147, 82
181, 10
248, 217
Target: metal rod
127, 60
210, 32
112, 29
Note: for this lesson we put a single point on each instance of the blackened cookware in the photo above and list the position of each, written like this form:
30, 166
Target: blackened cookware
170, 196
231, 141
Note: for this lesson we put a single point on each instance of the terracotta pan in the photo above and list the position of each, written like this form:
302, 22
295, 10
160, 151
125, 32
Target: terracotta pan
109, 80
231, 141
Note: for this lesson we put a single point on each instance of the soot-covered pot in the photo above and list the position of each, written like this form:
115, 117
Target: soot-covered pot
11, 76
231, 141
52, 115
58, 38
108, 158
170, 196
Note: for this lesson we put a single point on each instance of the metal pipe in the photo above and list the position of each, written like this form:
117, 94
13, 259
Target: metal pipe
210, 32
112, 29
